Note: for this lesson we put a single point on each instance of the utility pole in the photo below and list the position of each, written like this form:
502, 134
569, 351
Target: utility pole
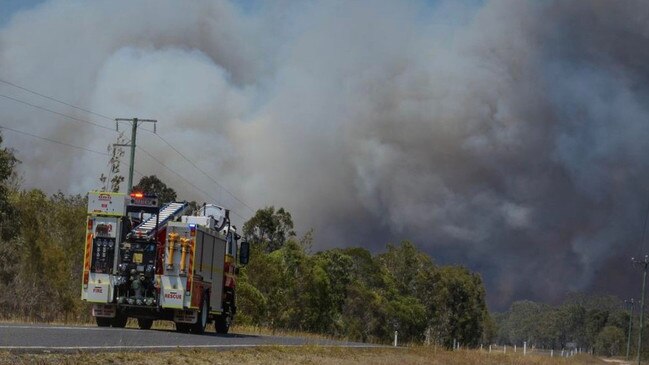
643, 265
629, 303
134, 125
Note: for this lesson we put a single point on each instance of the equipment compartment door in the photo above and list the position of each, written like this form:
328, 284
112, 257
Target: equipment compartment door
217, 264
104, 243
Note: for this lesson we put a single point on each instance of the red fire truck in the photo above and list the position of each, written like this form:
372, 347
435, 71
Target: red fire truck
160, 263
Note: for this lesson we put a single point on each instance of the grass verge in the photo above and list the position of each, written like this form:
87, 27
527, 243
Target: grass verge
299, 355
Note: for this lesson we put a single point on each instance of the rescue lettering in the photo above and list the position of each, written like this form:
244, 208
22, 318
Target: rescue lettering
97, 289
103, 197
172, 296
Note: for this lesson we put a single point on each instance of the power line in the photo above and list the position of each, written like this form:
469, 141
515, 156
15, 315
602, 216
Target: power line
106, 154
60, 143
57, 113
55, 141
54, 99
174, 172
204, 173
183, 178
107, 128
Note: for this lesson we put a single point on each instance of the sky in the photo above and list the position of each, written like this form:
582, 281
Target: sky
505, 136
10, 7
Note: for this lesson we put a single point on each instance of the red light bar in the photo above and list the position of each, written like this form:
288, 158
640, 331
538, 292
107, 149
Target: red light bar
137, 195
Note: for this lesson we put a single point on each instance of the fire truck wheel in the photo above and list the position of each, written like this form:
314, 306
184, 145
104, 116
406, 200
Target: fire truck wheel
182, 327
144, 323
223, 321
119, 321
199, 327
103, 321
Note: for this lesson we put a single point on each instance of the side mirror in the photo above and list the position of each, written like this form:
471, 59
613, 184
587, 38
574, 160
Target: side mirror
244, 253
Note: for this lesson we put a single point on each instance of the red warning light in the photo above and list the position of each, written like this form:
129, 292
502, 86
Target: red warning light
137, 195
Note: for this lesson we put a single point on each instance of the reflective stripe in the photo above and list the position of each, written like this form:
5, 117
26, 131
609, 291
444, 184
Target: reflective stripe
190, 271
86, 258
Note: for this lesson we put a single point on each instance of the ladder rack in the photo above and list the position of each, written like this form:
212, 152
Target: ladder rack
168, 213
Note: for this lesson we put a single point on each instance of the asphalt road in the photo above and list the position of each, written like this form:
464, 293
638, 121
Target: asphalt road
50, 338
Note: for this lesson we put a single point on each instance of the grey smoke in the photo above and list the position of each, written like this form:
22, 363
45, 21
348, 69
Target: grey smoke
508, 136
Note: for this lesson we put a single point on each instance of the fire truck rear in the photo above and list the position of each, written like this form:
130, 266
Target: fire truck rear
160, 263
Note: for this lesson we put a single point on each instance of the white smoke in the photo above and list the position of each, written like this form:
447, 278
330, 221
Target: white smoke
508, 136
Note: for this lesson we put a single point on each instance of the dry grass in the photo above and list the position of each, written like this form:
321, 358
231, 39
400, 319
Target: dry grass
242, 329
265, 331
300, 355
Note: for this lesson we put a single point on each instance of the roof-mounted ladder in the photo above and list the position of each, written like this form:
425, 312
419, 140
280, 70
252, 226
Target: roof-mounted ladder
169, 212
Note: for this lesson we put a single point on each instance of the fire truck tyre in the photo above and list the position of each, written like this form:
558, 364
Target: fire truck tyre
144, 323
103, 321
199, 327
119, 321
222, 322
182, 327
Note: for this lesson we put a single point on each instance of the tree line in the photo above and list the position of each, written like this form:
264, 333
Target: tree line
597, 324
353, 293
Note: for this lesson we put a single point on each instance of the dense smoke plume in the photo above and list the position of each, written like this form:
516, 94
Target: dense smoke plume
508, 136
